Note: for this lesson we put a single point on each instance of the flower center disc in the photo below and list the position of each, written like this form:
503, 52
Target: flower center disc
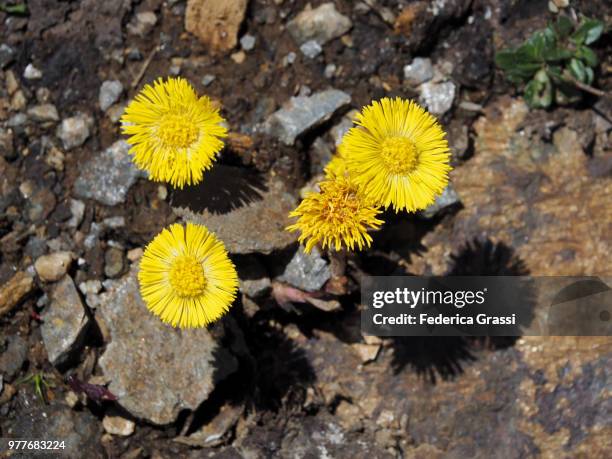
177, 131
399, 155
187, 276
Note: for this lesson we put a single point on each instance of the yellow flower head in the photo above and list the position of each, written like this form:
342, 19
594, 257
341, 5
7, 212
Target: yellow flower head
175, 135
398, 154
336, 166
338, 215
186, 277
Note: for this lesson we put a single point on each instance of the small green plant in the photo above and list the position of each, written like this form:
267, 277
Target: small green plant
41, 382
555, 63
20, 9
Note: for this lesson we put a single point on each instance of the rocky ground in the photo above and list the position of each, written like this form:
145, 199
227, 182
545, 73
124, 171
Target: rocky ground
82, 360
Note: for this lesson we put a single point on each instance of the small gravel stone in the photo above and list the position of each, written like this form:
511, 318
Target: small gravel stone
438, 97
303, 113
74, 131
448, 198
289, 59
14, 354
307, 271
208, 79
92, 286
110, 91
32, 73
116, 425
418, 71
15, 290
330, 71
311, 49
77, 208
17, 120
108, 176
7, 54
44, 112
54, 266
321, 24
64, 322
113, 262
247, 42
142, 23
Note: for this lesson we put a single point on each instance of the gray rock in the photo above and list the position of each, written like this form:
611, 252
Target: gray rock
113, 262
311, 49
254, 280
110, 91
208, 79
32, 73
108, 176
74, 131
448, 198
7, 149
154, 370
13, 356
7, 54
44, 112
418, 71
91, 286
77, 209
303, 113
79, 430
247, 42
64, 322
339, 130
257, 226
307, 271
321, 24
438, 97
17, 120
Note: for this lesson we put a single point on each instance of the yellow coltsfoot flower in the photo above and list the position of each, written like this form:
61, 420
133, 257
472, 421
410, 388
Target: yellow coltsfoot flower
174, 134
338, 216
398, 154
186, 277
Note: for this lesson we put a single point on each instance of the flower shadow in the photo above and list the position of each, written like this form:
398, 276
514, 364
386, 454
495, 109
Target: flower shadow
224, 188
445, 357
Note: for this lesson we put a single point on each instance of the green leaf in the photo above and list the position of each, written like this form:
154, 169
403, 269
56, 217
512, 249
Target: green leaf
567, 94
588, 32
587, 55
558, 54
563, 27
517, 66
18, 9
539, 91
590, 75
578, 70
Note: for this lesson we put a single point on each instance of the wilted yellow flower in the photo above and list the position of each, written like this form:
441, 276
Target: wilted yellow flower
337, 216
398, 154
186, 277
175, 135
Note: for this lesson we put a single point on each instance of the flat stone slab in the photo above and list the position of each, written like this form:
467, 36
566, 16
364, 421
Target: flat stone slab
108, 176
253, 224
155, 371
303, 113
64, 322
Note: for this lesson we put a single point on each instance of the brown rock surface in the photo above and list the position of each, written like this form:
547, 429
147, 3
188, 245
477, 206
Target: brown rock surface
215, 23
539, 200
14, 291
